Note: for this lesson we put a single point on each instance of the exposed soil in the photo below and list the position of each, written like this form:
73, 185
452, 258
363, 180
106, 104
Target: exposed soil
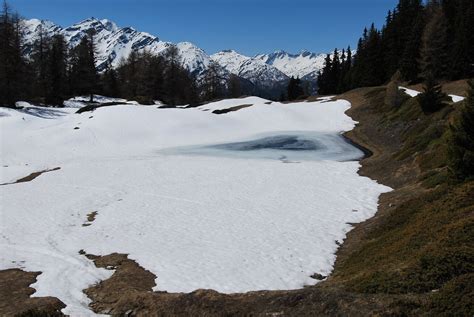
31, 177
129, 291
227, 110
15, 292
90, 218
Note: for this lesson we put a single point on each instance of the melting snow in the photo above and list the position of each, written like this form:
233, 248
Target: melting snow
227, 223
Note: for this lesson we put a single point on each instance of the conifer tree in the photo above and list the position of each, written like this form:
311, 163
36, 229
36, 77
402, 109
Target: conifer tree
434, 50
461, 44
461, 141
432, 99
84, 73
13, 68
40, 60
57, 71
109, 80
235, 88
294, 90
212, 87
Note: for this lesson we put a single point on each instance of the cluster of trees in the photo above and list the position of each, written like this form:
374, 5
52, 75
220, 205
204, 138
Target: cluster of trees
294, 89
145, 77
52, 71
414, 41
334, 77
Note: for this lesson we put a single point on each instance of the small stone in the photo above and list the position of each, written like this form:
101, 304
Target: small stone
76, 128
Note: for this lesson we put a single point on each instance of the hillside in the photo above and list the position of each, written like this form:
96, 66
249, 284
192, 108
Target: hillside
413, 258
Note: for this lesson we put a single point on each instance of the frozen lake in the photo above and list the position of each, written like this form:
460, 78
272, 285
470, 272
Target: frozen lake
288, 147
199, 199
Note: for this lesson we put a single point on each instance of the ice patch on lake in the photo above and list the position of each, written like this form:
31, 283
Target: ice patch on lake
294, 146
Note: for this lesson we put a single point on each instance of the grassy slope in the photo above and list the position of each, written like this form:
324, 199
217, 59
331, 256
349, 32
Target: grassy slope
420, 242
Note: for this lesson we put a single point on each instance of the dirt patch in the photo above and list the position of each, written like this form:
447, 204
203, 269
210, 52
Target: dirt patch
92, 106
236, 108
15, 292
127, 282
31, 177
90, 218
128, 292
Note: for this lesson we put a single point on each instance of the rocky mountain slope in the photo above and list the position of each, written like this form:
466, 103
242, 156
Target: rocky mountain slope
113, 43
254, 70
304, 65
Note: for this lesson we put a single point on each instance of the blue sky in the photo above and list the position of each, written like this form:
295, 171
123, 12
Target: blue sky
248, 26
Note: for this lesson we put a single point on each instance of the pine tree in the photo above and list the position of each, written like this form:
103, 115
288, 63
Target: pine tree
57, 71
409, 63
433, 50
324, 83
235, 89
461, 141
13, 68
432, 99
40, 60
294, 89
109, 81
84, 73
212, 87
460, 24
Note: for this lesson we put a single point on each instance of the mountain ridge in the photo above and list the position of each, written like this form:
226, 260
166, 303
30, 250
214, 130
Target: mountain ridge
114, 43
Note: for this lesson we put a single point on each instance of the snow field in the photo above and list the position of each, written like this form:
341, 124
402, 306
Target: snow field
223, 223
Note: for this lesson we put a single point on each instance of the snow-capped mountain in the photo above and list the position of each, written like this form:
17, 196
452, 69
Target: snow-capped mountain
254, 70
114, 43
265, 71
304, 65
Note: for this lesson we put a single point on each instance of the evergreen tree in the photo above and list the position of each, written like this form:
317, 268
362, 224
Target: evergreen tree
294, 89
461, 145
324, 83
109, 81
212, 87
432, 99
14, 81
57, 71
410, 61
40, 60
235, 89
84, 73
460, 21
434, 49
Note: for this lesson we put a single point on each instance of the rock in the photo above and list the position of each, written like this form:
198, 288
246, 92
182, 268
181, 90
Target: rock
317, 276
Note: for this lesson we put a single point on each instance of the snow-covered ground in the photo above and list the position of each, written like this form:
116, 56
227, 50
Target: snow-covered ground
232, 224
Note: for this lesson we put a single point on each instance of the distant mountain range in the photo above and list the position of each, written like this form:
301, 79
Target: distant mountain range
266, 72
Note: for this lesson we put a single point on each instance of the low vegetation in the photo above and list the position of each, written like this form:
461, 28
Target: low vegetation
422, 246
